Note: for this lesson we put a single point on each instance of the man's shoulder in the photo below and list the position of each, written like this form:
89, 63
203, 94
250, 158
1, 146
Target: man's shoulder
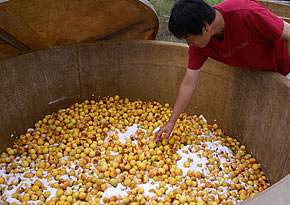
238, 6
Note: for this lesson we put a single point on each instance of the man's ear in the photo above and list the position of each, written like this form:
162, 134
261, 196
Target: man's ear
206, 27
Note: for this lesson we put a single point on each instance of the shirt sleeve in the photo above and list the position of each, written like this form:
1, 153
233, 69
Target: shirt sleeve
195, 58
263, 23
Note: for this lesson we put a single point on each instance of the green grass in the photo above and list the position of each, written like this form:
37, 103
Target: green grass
162, 7
213, 2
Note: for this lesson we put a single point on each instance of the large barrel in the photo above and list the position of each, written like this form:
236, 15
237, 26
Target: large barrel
252, 106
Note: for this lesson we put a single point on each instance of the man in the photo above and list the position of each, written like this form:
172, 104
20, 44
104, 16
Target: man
240, 33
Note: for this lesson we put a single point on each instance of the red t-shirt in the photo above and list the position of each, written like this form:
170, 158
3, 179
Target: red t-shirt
251, 39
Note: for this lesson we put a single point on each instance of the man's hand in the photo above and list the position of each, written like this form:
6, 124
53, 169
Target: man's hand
185, 92
166, 129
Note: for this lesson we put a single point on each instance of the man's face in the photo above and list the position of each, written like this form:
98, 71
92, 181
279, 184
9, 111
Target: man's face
199, 40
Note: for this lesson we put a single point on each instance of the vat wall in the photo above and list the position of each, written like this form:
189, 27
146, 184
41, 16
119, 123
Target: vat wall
252, 106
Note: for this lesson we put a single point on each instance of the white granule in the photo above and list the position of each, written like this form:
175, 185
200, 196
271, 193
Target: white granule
187, 154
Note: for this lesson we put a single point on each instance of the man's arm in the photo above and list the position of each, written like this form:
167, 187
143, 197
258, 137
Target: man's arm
286, 36
185, 93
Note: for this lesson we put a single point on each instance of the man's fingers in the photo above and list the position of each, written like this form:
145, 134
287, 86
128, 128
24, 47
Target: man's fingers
164, 132
167, 136
157, 136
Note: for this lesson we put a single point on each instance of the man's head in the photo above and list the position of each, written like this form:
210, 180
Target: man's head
191, 20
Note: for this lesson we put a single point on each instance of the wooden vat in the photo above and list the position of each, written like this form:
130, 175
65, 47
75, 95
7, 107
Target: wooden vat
254, 106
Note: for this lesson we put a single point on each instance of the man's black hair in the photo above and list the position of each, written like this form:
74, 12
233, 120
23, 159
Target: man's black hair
188, 17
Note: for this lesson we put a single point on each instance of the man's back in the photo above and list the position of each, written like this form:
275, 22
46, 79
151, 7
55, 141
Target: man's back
251, 39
